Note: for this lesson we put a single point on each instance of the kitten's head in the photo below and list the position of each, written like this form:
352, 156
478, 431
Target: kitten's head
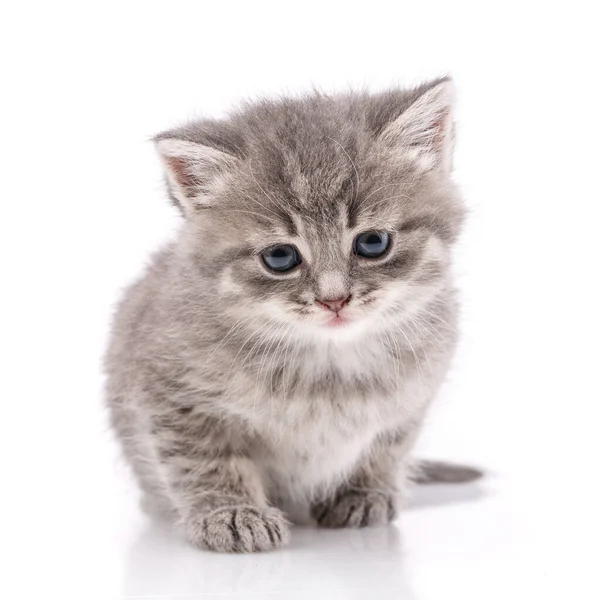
329, 214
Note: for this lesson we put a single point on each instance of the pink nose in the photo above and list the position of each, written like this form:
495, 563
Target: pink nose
334, 305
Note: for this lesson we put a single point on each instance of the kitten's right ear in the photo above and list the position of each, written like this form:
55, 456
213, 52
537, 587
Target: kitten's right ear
193, 170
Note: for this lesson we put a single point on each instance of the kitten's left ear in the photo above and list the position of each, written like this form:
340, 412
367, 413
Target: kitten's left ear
425, 127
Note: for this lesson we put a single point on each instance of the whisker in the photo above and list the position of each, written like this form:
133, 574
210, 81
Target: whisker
275, 350
417, 365
279, 327
236, 325
430, 328
418, 340
421, 324
438, 318
389, 336
255, 332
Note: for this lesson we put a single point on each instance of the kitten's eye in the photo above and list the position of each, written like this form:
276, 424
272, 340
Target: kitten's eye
372, 244
283, 257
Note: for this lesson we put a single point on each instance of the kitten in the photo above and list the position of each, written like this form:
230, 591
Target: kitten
276, 360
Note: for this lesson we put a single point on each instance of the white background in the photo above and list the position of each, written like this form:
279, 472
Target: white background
84, 85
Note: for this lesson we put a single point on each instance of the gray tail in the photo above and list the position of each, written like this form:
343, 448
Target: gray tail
437, 471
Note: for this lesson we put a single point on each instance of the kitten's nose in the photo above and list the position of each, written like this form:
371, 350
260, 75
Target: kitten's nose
334, 305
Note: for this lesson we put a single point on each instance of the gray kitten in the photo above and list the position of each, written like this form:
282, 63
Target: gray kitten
276, 360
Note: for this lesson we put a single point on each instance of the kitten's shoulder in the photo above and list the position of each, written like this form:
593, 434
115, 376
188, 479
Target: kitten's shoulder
138, 307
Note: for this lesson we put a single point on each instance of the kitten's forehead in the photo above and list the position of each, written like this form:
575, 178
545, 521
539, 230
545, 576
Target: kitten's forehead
312, 177
326, 183
319, 167
322, 190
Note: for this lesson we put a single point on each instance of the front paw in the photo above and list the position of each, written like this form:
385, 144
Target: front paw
355, 508
241, 529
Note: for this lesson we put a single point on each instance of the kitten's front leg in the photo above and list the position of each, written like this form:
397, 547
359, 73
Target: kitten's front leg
372, 494
216, 489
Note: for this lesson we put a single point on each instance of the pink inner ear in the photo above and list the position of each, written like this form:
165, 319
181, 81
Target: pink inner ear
440, 126
180, 169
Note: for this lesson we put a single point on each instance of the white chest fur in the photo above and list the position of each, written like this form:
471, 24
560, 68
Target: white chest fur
305, 455
310, 444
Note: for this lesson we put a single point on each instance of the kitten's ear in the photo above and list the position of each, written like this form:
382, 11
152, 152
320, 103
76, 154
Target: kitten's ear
193, 170
425, 127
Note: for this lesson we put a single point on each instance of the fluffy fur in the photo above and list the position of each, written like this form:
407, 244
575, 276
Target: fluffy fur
238, 404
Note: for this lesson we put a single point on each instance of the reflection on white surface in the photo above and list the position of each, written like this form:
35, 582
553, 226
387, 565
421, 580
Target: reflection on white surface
348, 562
359, 563
472, 542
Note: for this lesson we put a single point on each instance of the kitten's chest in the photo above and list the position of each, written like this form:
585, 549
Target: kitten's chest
313, 431
312, 445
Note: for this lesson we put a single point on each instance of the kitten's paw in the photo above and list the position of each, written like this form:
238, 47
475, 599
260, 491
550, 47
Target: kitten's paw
242, 529
355, 509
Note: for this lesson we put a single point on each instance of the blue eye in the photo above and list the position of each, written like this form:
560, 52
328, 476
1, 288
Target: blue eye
280, 258
372, 244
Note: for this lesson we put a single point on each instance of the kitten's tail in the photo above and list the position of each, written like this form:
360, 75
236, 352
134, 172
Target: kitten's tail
437, 471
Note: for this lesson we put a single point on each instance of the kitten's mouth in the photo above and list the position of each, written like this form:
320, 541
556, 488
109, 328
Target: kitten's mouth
338, 321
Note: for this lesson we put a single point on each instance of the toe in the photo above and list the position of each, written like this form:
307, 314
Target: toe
243, 529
